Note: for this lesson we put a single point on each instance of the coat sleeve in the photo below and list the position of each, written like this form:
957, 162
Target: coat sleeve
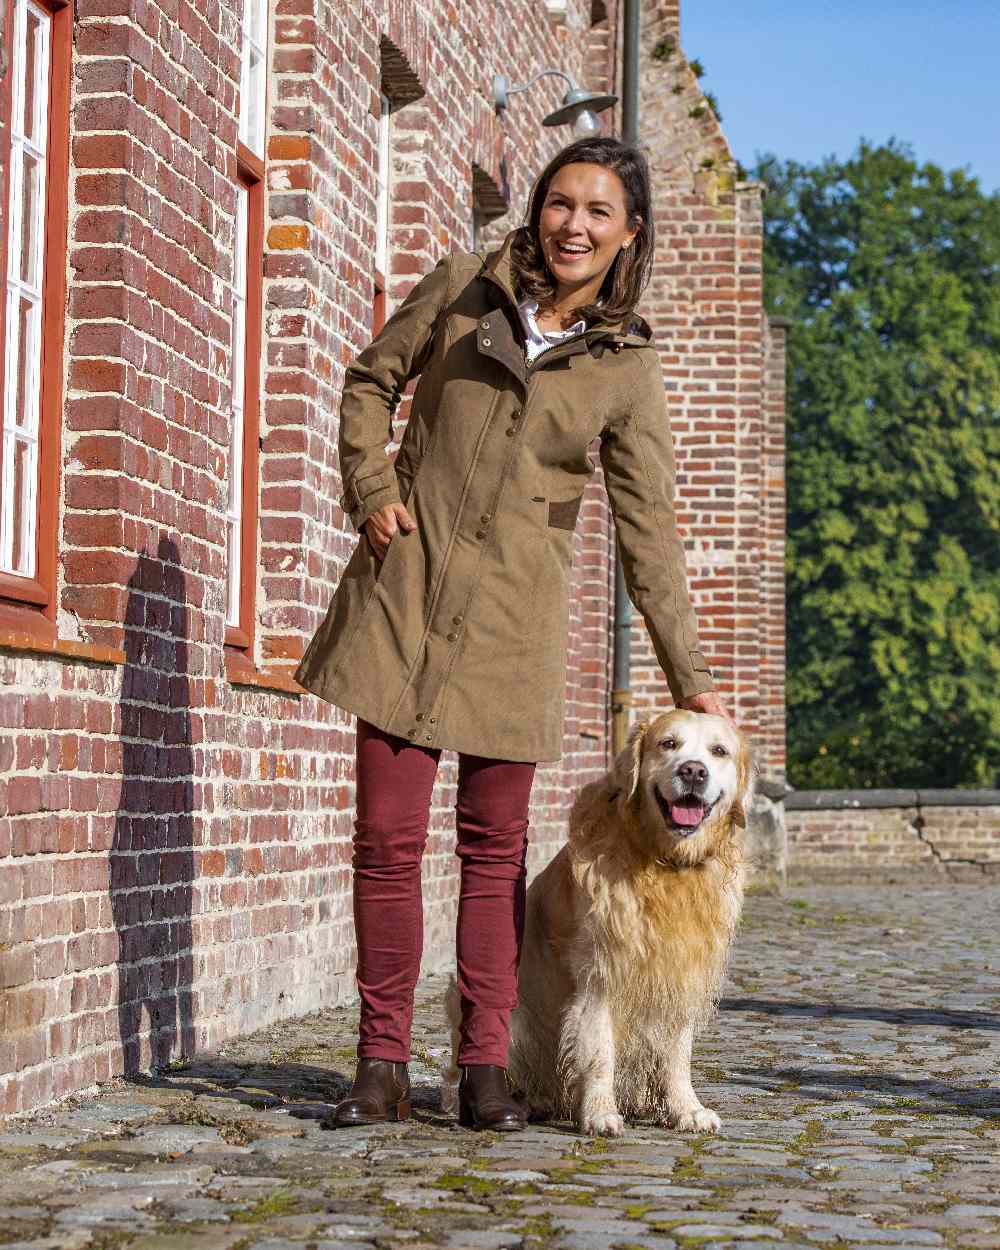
373, 386
638, 457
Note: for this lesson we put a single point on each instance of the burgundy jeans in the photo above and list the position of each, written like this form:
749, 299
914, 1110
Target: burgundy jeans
394, 780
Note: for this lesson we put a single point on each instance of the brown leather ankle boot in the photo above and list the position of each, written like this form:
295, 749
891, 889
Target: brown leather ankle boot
485, 1100
381, 1091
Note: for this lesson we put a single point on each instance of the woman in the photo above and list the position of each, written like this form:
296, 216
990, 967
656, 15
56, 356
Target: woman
448, 628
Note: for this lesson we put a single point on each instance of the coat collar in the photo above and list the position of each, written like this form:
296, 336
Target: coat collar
498, 268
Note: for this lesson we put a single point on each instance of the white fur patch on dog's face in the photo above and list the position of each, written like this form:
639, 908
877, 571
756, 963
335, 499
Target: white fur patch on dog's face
690, 772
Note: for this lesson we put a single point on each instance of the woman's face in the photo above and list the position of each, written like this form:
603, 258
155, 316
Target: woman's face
583, 226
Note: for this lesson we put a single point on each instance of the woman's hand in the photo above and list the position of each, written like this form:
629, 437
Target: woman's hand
383, 525
709, 702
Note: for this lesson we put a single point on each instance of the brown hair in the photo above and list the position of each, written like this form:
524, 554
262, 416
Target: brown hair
630, 270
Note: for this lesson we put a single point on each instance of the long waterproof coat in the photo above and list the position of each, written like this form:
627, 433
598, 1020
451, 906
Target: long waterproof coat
458, 638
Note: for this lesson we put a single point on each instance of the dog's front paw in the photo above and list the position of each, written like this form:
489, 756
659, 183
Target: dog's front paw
601, 1123
694, 1120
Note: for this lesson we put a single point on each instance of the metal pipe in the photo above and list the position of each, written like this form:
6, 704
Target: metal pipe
621, 681
631, 12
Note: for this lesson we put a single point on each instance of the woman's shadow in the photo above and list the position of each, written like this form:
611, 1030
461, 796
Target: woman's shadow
152, 855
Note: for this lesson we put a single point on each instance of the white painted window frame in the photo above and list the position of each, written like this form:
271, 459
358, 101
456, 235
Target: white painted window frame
20, 430
253, 75
383, 175
234, 501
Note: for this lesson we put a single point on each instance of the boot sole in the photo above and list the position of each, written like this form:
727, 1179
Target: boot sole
394, 1114
467, 1120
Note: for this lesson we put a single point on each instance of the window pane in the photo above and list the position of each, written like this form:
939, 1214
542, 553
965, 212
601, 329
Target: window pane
233, 582
33, 52
31, 219
25, 396
244, 89
253, 74
23, 544
255, 101
234, 485
382, 176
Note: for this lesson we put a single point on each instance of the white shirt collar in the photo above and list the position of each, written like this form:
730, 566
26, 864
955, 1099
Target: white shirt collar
538, 341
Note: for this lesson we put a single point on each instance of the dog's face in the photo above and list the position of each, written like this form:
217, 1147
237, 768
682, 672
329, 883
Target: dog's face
689, 775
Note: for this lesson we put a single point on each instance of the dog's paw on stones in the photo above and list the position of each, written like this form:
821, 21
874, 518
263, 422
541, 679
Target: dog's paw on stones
599, 1123
694, 1120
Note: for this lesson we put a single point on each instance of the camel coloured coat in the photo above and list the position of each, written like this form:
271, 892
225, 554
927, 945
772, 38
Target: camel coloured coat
458, 638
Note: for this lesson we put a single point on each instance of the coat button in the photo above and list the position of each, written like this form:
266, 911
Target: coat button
487, 516
480, 533
419, 716
487, 342
455, 620
428, 738
485, 325
433, 721
511, 431
453, 637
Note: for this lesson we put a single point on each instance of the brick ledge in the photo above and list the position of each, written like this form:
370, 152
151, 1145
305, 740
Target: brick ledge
279, 680
63, 648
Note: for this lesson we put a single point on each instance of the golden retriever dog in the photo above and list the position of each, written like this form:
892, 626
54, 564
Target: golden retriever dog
628, 930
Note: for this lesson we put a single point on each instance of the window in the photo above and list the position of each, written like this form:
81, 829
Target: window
246, 293
382, 211
34, 155
234, 503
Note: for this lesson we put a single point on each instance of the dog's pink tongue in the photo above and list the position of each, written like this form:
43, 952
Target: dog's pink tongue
686, 813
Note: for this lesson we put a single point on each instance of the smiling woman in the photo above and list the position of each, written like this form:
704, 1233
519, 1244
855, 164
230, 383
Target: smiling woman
456, 598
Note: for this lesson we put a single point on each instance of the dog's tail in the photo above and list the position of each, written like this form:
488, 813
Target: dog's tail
450, 1075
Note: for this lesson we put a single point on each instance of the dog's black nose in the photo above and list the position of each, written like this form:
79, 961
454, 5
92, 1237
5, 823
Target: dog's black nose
692, 773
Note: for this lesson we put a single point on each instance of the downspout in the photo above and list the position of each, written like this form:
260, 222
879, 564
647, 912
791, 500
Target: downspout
621, 682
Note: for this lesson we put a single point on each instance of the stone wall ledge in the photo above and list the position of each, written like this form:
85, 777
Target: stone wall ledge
840, 800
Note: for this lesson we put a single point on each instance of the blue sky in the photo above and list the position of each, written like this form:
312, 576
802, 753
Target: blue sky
807, 79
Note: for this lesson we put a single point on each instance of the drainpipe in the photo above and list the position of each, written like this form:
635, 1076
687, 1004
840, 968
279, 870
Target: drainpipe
621, 682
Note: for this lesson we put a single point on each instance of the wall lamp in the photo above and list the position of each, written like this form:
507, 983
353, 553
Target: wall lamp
579, 108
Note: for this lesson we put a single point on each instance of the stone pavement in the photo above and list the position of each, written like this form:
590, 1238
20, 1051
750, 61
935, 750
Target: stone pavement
854, 1064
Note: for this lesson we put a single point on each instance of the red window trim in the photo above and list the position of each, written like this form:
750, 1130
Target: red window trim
239, 640
28, 604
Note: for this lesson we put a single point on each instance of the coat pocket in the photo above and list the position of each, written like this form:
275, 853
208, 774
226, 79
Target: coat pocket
562, 515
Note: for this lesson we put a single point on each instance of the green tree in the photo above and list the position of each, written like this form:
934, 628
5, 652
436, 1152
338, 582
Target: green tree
890, 272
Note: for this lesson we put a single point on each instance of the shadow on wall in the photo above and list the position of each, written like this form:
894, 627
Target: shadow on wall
152, 856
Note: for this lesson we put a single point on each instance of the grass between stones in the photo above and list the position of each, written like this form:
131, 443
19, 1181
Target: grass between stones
281, 1202
480, 1186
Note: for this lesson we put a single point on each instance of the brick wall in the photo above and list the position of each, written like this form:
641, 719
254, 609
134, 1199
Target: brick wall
175, 847
893, 835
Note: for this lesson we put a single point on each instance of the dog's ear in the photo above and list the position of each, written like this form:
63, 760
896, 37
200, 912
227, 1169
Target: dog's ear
625, 772
747, 772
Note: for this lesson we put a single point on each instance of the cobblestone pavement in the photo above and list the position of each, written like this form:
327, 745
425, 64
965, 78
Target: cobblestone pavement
854, 1064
